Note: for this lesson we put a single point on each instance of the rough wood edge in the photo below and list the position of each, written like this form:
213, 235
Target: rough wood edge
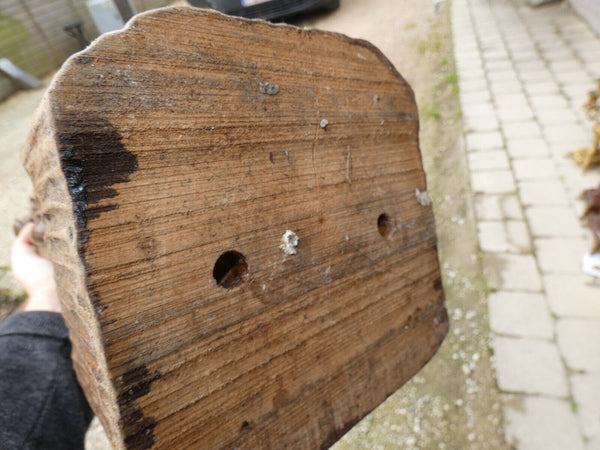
52, 204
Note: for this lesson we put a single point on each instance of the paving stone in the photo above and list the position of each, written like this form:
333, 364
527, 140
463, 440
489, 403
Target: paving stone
501, 75
560, 255
529, 129
520, 314
561, 151
558, 54
487, 122
510, 236
511, 272
472, 85
490, 140
519, 148
577, 93
498, 207
472, 74
540, 423
523, 365
573, 295
545, 87
573, 179
543, 193
554, 116
559, 221
492, 160
467, 63
496, 182
478, 109
593, 66
588, 56
499, 66
579, 343
515, 114
593, 444
539, 75
565, 65
474, 97
511, 101
541, 102
534, 169
497, 54
506, 87
565, 133
524, 55
586, 394
569, 78
531, 66
539, 113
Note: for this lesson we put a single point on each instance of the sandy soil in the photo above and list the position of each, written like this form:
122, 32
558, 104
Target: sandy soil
453, 402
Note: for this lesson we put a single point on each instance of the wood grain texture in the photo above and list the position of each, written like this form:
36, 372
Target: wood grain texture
190, 135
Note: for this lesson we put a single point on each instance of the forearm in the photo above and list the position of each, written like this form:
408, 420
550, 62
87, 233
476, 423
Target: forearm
42, 405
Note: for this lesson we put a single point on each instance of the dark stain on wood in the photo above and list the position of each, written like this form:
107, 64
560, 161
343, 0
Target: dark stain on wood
437, 284
336, 433
93, 159
138, 429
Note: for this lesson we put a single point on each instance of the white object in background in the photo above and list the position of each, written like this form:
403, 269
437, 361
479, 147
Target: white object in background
252, 2
591, 264
106, 15
26, 79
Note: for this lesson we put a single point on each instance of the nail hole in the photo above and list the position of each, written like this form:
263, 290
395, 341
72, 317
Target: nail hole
385, 225
230, 269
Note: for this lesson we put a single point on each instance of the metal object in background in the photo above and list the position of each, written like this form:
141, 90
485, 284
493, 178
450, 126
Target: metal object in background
110, 15
74, 30
267, 9
26, 79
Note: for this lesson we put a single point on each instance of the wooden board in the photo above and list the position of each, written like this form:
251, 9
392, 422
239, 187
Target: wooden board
169, 160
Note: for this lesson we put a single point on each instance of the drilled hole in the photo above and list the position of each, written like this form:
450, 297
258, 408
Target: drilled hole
385, 225
230, 269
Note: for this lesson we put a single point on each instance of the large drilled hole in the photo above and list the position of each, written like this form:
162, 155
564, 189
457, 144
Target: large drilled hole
385, 225
230, 269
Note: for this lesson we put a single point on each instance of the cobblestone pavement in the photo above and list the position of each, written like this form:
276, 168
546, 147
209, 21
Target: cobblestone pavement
524, 74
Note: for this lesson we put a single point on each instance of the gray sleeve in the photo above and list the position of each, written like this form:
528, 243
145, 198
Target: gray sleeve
42, 405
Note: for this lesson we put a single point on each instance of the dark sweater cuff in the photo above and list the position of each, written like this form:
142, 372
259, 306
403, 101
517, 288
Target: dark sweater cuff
35, 323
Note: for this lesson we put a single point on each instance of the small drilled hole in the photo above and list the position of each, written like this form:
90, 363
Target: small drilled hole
230, 269
385, 225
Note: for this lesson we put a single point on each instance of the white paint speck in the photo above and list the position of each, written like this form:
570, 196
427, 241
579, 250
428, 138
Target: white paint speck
324, 123
289, 242
422, 197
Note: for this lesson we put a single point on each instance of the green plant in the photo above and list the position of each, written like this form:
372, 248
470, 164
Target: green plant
488, 289
451, 78
8, 295
574, 406
431, 45
431, 111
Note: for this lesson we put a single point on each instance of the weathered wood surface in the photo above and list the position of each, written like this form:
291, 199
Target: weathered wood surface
189, 135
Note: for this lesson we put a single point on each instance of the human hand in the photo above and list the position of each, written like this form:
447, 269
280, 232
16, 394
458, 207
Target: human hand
35, 273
